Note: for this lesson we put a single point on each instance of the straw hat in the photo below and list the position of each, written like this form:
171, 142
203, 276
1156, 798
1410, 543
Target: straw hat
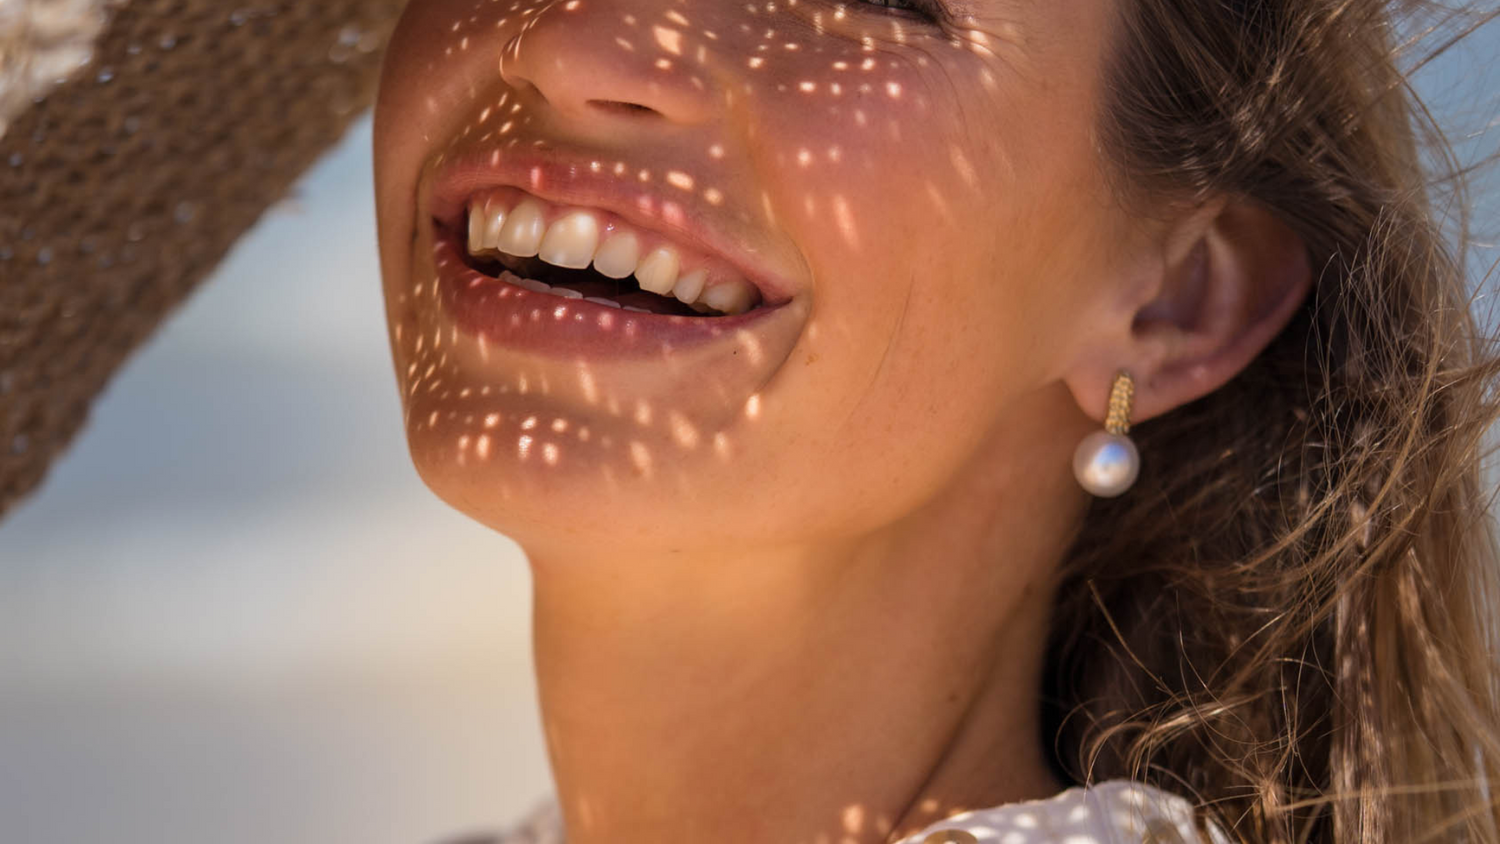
178, 123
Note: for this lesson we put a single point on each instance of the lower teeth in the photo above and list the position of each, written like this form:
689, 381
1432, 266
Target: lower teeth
536, 286
595, 287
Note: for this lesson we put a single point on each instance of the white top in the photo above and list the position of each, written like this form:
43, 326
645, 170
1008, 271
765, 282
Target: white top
1110, 812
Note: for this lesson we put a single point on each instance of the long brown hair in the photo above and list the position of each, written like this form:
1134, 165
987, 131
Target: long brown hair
1292, 615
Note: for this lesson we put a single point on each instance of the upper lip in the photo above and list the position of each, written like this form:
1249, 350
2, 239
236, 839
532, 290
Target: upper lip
568, 180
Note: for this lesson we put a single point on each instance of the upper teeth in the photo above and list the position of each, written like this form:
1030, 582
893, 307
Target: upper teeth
573, 240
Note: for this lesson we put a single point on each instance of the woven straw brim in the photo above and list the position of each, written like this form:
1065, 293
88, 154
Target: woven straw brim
125, 186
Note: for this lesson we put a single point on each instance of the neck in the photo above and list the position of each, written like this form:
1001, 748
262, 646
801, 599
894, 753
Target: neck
853, 691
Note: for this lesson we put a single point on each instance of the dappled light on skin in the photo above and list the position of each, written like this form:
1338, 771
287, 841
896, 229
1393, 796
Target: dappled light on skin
831, 156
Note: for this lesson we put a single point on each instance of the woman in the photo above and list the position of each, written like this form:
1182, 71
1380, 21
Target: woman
823, 543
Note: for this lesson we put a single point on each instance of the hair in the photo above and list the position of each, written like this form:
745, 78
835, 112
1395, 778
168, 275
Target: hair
1292, 615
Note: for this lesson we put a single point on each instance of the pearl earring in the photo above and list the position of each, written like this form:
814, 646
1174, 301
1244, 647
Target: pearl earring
1106, 462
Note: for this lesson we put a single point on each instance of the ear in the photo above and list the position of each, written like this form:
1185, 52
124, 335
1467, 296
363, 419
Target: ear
1222, 283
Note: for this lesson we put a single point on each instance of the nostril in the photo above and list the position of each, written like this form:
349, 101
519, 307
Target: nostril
618, 107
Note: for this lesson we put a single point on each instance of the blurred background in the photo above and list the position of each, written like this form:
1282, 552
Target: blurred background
234, 614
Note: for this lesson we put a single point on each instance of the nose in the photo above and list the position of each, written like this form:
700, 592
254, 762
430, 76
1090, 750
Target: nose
612, 66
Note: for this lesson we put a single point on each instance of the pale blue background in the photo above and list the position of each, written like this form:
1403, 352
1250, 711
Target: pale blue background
233, 614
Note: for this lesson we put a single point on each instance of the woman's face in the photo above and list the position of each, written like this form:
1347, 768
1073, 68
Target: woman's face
918, 204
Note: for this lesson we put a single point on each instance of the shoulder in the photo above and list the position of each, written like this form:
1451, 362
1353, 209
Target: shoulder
1110, 812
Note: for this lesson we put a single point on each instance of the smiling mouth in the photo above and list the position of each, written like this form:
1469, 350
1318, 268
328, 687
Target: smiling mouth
584, 253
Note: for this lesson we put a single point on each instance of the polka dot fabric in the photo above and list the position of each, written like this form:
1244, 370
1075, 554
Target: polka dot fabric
1111, 812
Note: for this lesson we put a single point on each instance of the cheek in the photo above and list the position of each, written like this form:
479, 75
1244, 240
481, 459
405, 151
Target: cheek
926, 216
425, 94
946, 269
931, 309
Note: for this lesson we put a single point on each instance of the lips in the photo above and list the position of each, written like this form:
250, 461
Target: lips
592, 183
579, 252
502, 313
499, 311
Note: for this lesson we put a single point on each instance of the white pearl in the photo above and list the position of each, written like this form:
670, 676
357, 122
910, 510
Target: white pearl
1106, 464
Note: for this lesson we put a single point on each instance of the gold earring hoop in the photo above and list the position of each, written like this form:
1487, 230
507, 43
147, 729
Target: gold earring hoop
1107, 462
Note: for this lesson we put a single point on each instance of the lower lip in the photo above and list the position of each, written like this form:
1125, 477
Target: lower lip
509, 315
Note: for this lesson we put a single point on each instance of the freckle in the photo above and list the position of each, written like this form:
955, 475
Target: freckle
482, 447
492, 420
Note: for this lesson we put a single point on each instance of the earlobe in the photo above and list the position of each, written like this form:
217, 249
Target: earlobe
1232, 275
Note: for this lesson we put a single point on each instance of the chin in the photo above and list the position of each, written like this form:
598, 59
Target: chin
610, 490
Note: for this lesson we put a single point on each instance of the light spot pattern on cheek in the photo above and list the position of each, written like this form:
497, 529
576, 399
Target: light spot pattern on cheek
845, 62
543, 414
806, 123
